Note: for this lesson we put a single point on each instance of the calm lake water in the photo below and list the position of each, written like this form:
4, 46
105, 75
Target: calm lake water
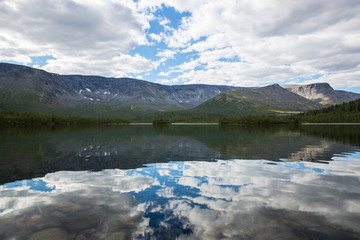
180, 182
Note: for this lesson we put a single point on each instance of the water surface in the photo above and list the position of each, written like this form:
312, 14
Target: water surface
181, 182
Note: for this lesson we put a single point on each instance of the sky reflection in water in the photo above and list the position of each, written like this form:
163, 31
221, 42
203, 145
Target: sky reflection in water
217, 199
212, 200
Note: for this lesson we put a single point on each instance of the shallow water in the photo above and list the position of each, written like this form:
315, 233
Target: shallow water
180, 182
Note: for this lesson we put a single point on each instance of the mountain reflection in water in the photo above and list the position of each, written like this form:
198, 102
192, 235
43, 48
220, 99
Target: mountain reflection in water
195, 184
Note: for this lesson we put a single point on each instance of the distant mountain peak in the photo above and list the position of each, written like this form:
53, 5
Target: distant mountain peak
272, 86
322, 93
320, 84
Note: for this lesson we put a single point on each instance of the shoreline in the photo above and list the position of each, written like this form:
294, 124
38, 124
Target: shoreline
330, 123
173, 124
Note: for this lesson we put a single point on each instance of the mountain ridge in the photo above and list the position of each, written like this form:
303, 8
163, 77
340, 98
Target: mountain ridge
24, 88
56, 90
262, 100
322, 93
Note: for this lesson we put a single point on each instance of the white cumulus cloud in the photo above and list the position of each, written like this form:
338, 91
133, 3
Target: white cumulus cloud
89, 37
276, 41
242, 43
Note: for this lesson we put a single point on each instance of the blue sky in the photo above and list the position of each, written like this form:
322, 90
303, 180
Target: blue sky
240, 43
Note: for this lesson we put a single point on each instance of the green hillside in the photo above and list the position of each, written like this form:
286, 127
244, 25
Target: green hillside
232, 104
269, 100
36, 103
341, 113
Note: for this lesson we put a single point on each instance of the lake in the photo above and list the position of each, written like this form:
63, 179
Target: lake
180, 182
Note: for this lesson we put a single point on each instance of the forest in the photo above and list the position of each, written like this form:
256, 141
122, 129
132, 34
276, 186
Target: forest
341, 113
30, 119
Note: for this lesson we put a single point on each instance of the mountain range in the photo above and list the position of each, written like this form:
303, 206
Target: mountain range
28, 89
24, 88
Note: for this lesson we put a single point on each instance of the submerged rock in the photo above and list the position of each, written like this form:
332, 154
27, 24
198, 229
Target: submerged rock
68, 207
50, 234
81, 222
117, 236
58, 214
81, 237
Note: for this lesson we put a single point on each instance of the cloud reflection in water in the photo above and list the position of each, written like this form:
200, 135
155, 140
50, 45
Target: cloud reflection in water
206, 200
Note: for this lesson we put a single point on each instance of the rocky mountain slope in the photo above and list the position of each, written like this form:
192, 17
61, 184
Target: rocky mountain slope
28, 89
322, 93
262, 100
24, 88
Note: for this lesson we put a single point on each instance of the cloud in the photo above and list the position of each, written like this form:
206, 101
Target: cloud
309, 37
168, 53
155, 37
164, 21
238, 194
117, 66
167, 81
75, 195
112, 181
84, 36
231, 199
242, 43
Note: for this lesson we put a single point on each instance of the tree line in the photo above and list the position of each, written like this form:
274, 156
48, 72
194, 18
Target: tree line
12, 118
340, 113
